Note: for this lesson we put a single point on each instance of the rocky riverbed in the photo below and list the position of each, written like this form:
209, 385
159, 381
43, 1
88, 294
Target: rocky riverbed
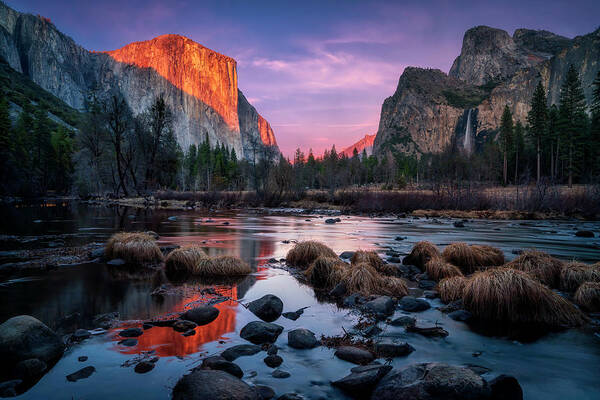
270, 334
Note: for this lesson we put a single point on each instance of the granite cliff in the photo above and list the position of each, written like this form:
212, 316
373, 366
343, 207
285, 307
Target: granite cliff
199, 84
366, 144
432, 111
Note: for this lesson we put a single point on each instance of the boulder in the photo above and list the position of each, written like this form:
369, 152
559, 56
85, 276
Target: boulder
9, 388
505, 387
268, 308
434, 331
411, 304
25, 338
201, 315
584, 234
259, 332
302, 339
221, 364
80, 334
214, 385
83, 373
354, 355
432, 381
30, 370
240, 350
391, 349
128, 342
338, 290
273, 360
361, 382
265, 392
382, 306
427, 284
290, 396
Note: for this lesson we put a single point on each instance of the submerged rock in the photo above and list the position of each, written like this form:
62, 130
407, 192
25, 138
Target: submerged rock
382, 306
214, 385
183, 325
505, 387
30, 370
584, 234
460, 315
144, 366
201, 315
83, 373
346, 255
434, 331
240, 350
259, 332
265, 392
354, 355
221, 364
302, 339
432, 381
80, 334
405, 320
273, 360
339, 290
280, 374
128, 342
268, 308
9, 388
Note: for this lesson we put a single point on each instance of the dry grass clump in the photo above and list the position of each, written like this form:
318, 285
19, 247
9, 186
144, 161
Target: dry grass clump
539, 265
221, 266
575, 273
305, 253
451, 289
470, 258
326, 272
184, 259
421, 253
369, 257
588, 296
133, 247
364, 279
505, 295
438, 269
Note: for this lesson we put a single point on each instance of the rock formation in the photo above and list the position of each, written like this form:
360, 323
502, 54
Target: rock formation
200, 85
432, 111
366, 143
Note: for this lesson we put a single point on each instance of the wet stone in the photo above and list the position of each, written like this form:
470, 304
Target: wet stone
83, 373
505, 387
427, 284
9, 388
280, 374
211, 384
272, 349
259, 332
221, 364
128, 342
435, 331
131, 332
372, 330
339, 290
234, 352
302, 339
290, 396
82, 358
29, 370
117, 262
404, 321
361, 383
273, 360
191, 332
265, 392
201, 315
354, 355
460, 315
411, 304
268, 308
346, 255
382, 306
390, 349
183, 326
80, 334
144, 366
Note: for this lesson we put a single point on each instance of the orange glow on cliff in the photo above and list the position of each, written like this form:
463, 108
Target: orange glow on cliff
266, 133
200, 72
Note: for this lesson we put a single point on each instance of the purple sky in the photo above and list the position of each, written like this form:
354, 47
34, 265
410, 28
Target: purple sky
318, 71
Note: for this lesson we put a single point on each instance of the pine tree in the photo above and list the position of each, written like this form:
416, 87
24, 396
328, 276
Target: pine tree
554, 136
538, 121
505, 139
6, 144
62, 147
519, 144
572, 120
595, 127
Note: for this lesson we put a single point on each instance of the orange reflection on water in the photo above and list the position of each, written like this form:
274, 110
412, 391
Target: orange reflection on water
166, 342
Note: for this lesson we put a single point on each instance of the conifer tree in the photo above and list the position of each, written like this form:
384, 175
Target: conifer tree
505, 139
518, 148
595, 127
538, 121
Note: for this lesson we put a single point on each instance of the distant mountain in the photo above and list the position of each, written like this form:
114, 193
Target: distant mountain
366, 143
432, 111
199, 84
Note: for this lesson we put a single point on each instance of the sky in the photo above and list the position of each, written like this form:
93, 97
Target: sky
318, 71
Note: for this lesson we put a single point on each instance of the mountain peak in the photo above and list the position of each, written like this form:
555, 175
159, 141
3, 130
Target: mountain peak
366, 143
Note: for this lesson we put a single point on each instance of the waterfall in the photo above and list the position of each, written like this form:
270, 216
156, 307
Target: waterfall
467, 143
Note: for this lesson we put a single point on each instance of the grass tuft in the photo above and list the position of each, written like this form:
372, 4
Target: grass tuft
438, 269
326, 272
574, 274
305, 253
364, 279
184, 259
539, 265
133, 247
421, 253
221, 266
588, 296
471, 258
451, 289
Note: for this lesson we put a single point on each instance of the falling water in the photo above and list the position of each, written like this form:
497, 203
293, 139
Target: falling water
467, 146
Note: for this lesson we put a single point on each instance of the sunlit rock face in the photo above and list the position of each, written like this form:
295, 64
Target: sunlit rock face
200, 85
428, 112
366, 144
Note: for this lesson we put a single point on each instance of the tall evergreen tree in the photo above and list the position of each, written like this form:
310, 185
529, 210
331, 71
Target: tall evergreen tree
595, 127
505, 139
6, 145
538, 121
572, 120
518, 145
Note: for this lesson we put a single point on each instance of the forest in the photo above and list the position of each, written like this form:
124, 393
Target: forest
111, 152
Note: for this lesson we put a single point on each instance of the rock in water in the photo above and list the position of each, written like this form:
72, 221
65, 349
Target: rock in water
259, 332
361, 381
30, 370
432, 381
390, 349
382, 306
131, 332
234, 352
221, 364
201, 315
183, 325
505, 387
213, 385
273, 360
144, 366
354, 355
411, 304
83, 373
24, 338
268, 308
302, 339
